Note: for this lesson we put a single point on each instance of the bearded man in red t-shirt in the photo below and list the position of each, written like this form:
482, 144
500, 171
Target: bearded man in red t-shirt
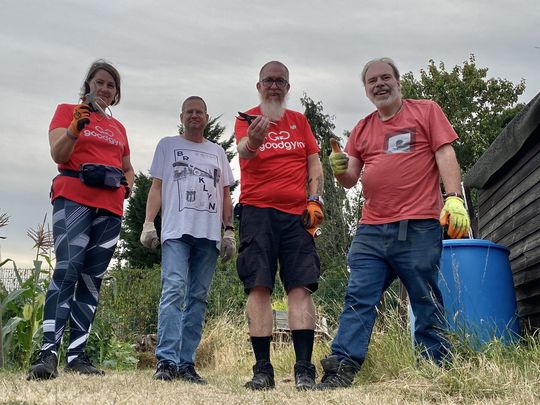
278, 152
400, 152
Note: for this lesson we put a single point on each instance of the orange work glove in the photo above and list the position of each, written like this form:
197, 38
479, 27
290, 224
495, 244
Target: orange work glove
456, 217
81, 118
313, 215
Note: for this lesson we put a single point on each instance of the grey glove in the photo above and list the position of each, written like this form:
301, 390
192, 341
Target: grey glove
228, 246
149, 236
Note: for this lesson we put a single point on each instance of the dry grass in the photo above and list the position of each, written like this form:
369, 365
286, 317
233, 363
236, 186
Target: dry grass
499, 375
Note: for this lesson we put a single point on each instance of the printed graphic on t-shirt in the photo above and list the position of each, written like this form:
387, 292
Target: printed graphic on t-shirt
197, 175
103, 134
281, 140
401, 142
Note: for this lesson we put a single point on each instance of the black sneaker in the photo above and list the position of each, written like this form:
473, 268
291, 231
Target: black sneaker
166, 371
189, 374
263, 377
44, 366
304, 375
337, 374
82, 365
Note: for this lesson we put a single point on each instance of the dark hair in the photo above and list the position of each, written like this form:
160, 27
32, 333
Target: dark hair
271, 63
194, 98
101, 64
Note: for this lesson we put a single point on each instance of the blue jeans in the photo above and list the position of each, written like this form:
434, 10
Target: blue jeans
376, 258
188, 265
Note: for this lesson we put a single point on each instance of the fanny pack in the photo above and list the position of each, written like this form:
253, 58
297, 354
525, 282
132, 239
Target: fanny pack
96, 175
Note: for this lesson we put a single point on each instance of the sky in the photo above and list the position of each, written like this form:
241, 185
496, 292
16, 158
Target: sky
168, 50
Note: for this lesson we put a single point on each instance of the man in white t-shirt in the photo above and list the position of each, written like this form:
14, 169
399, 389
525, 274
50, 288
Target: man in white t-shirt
191, 177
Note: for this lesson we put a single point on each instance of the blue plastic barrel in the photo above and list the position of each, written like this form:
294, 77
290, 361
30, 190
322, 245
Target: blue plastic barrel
478, 291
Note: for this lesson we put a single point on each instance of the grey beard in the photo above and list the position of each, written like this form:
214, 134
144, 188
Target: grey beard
272, 110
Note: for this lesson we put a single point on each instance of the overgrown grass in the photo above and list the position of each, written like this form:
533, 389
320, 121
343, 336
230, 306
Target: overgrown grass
391, 374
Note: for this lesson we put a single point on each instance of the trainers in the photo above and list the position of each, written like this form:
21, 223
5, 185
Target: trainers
188, 373
263, 377
304, 375
337, 374
82, 365
166, 371
44, 366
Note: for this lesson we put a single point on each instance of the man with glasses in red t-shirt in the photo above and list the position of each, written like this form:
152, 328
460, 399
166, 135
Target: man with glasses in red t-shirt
278, 152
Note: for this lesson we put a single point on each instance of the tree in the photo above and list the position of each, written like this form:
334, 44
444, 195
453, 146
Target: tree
333, 244
477, 107
130, 249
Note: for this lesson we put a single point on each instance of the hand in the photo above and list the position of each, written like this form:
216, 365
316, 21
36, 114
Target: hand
81, 118
257, 131
228, 246
312, 215
455, 216
339, 160
149, 236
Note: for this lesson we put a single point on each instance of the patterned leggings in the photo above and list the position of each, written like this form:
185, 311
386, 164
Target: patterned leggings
84, 242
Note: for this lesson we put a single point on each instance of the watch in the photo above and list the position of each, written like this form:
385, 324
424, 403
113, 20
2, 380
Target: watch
446, 195
316, 198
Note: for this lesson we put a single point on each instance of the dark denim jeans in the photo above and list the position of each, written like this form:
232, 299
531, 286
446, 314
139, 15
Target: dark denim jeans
376, 258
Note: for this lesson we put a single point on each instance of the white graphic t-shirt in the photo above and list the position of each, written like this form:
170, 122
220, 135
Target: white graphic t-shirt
193, 176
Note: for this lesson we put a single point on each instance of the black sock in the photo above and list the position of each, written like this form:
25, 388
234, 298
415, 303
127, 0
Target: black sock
261, 347
303, 343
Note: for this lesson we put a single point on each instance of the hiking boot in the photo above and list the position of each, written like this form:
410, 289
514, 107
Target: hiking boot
263, 376
44, 366
188, 373
165, 371
304, 375
82, 365
337, 374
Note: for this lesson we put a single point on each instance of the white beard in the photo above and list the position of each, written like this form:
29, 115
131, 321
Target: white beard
273, 110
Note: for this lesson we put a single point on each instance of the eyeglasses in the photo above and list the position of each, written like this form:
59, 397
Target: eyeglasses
281, 83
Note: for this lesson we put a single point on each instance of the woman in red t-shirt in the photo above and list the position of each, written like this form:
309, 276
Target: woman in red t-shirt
91, 150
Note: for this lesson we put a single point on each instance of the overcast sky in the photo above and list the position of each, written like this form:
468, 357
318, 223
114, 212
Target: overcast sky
168, 50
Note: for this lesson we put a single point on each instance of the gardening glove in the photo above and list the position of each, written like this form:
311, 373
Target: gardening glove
81, 117
312, 215
228, 245
455, 216
149, 236
338, 159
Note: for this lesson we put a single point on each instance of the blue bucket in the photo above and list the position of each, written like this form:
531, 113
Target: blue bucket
478, 291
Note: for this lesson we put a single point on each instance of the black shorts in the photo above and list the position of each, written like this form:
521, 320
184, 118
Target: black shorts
269, 236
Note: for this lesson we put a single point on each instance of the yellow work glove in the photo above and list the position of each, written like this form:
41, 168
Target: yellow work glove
338, 160
228, 245
149, 237
456, 217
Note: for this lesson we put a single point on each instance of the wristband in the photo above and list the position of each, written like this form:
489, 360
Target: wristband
446, 195
71, 136
229, 228
250, 148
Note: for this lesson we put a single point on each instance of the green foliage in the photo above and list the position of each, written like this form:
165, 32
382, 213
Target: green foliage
478, 107
129, 302
334, 242
105, 348
129, 247
23, 308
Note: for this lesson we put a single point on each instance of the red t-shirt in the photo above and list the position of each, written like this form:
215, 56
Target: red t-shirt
400, 178
276, 176
102, 141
